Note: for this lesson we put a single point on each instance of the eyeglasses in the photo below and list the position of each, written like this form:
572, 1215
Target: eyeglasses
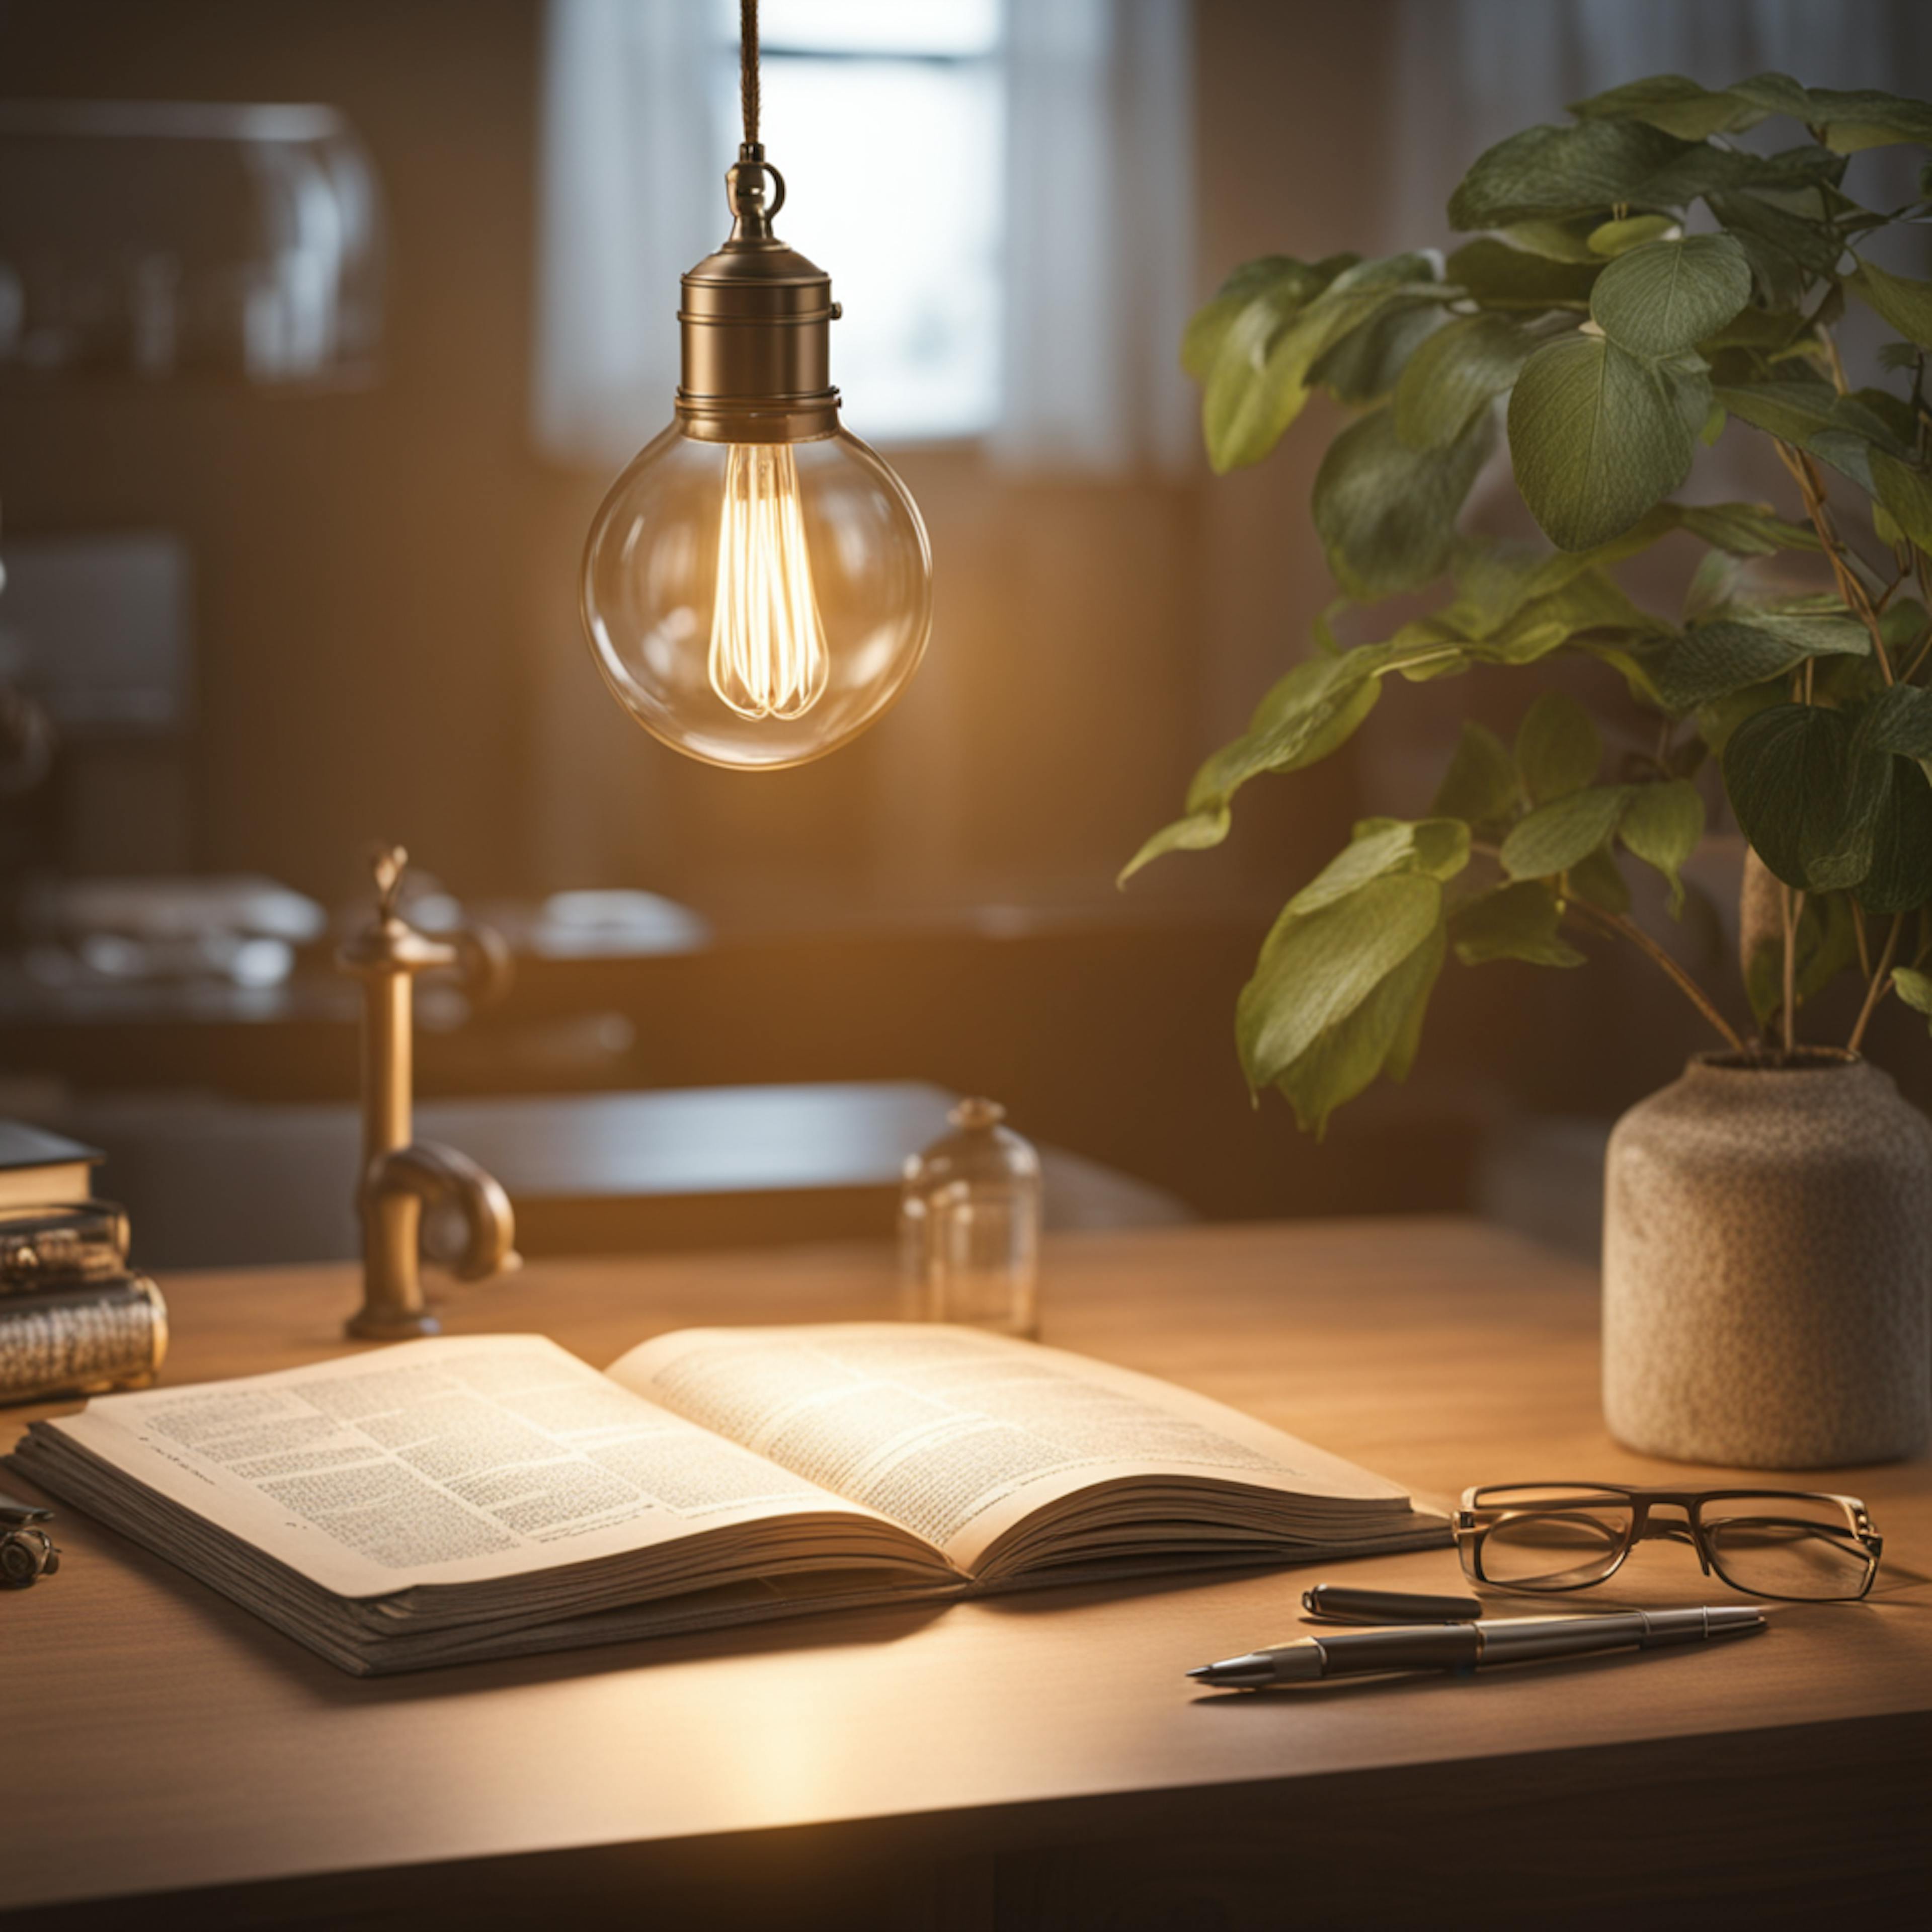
1799, 1546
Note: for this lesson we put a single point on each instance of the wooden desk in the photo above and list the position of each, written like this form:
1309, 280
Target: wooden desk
1037, 1760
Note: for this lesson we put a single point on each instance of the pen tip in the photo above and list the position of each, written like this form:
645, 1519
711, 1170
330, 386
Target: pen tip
1206, 1670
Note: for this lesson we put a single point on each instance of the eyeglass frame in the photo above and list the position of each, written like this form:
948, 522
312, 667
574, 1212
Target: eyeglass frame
1471, 1535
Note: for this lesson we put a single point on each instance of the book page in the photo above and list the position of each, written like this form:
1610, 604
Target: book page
444, 1461
958, 1435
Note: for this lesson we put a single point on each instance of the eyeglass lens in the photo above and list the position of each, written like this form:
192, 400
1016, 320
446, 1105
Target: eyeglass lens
1795, 1547
1557, 1538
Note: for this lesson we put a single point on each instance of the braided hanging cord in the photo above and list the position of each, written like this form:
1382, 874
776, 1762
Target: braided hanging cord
748, 67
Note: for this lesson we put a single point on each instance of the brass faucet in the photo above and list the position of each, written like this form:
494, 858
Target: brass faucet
401, 1176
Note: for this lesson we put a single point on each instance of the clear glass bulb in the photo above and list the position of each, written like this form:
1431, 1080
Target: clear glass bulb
757, 604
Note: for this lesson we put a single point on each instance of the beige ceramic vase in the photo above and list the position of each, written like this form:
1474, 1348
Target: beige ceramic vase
1768, 1267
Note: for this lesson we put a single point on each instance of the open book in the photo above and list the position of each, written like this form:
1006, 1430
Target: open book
443, 1500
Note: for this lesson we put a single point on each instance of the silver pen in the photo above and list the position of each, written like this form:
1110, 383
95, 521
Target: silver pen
1472, 1646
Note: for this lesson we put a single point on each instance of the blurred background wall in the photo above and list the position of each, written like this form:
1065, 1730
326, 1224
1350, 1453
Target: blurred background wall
384, 641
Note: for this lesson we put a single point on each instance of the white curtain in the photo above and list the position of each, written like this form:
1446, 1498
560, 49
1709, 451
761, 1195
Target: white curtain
631, 195
1099, 273
1099, 234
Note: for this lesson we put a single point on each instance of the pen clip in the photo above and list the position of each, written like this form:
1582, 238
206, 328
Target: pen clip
1331, 1602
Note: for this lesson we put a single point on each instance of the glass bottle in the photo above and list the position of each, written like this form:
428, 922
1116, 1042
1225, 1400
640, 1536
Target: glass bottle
969, 1225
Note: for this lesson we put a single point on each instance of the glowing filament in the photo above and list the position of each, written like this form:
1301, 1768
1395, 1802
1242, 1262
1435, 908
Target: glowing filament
768, 655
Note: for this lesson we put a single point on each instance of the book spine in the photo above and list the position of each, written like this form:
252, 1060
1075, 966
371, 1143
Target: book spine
81, 1339
40, 1247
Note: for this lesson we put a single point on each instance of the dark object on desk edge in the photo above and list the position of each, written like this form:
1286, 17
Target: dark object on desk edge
81, 1337
37, 1167
45, 1246
1336, 1602
1473, 1646
27, 1552
23, 1146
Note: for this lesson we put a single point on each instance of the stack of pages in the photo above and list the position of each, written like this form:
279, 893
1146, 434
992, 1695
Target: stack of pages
445, 1501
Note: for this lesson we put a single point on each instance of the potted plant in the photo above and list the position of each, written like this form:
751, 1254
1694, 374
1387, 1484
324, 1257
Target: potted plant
1639, 282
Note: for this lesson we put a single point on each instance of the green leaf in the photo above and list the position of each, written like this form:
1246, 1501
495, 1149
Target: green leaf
1380, 1036
1387, 513
1915, 989
1798, 410
1666, 296
1378, 847
1513, 922
1275, 288
1907, 494
1711, 584
1864, 117
1808, 806
1744, 530
1897, 416
1554, 837
1717, 719
1768, 332
1558, 749
1678, 106
1480, 784
1338, 991
1776, 94
1899, 720
1595, 879
1840, 429
1905, 304
1619, 238
1550, 173
1195, 833
1596, 438
1900, 878
1260, 378
1686, 377
1662, 825
1302, 719
1317, 968
1499, 276
1793, 177
1758, 223
1559, 240
1363, 364
1902, 626
1454, 375
1711, 660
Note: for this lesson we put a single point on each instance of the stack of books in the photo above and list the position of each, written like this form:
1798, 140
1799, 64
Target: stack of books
74, 1320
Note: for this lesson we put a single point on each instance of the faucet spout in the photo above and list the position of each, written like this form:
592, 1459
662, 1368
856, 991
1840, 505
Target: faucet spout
398, 1186
402, 1175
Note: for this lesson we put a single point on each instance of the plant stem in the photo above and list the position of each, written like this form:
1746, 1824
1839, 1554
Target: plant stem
1838, 381
1628, 928
1793, 905
1812, 489
1881, 981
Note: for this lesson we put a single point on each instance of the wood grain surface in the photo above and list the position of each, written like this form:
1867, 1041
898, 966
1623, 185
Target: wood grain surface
1034, 1760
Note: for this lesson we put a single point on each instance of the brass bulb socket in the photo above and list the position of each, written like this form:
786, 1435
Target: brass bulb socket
756, 328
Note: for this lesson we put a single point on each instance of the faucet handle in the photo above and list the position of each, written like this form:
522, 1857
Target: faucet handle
389, 863
485, 966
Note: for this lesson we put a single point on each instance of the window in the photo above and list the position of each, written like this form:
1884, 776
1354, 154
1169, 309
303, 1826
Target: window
999, 190
888, 121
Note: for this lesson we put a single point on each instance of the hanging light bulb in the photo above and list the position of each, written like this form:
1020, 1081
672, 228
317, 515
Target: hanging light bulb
757, 586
